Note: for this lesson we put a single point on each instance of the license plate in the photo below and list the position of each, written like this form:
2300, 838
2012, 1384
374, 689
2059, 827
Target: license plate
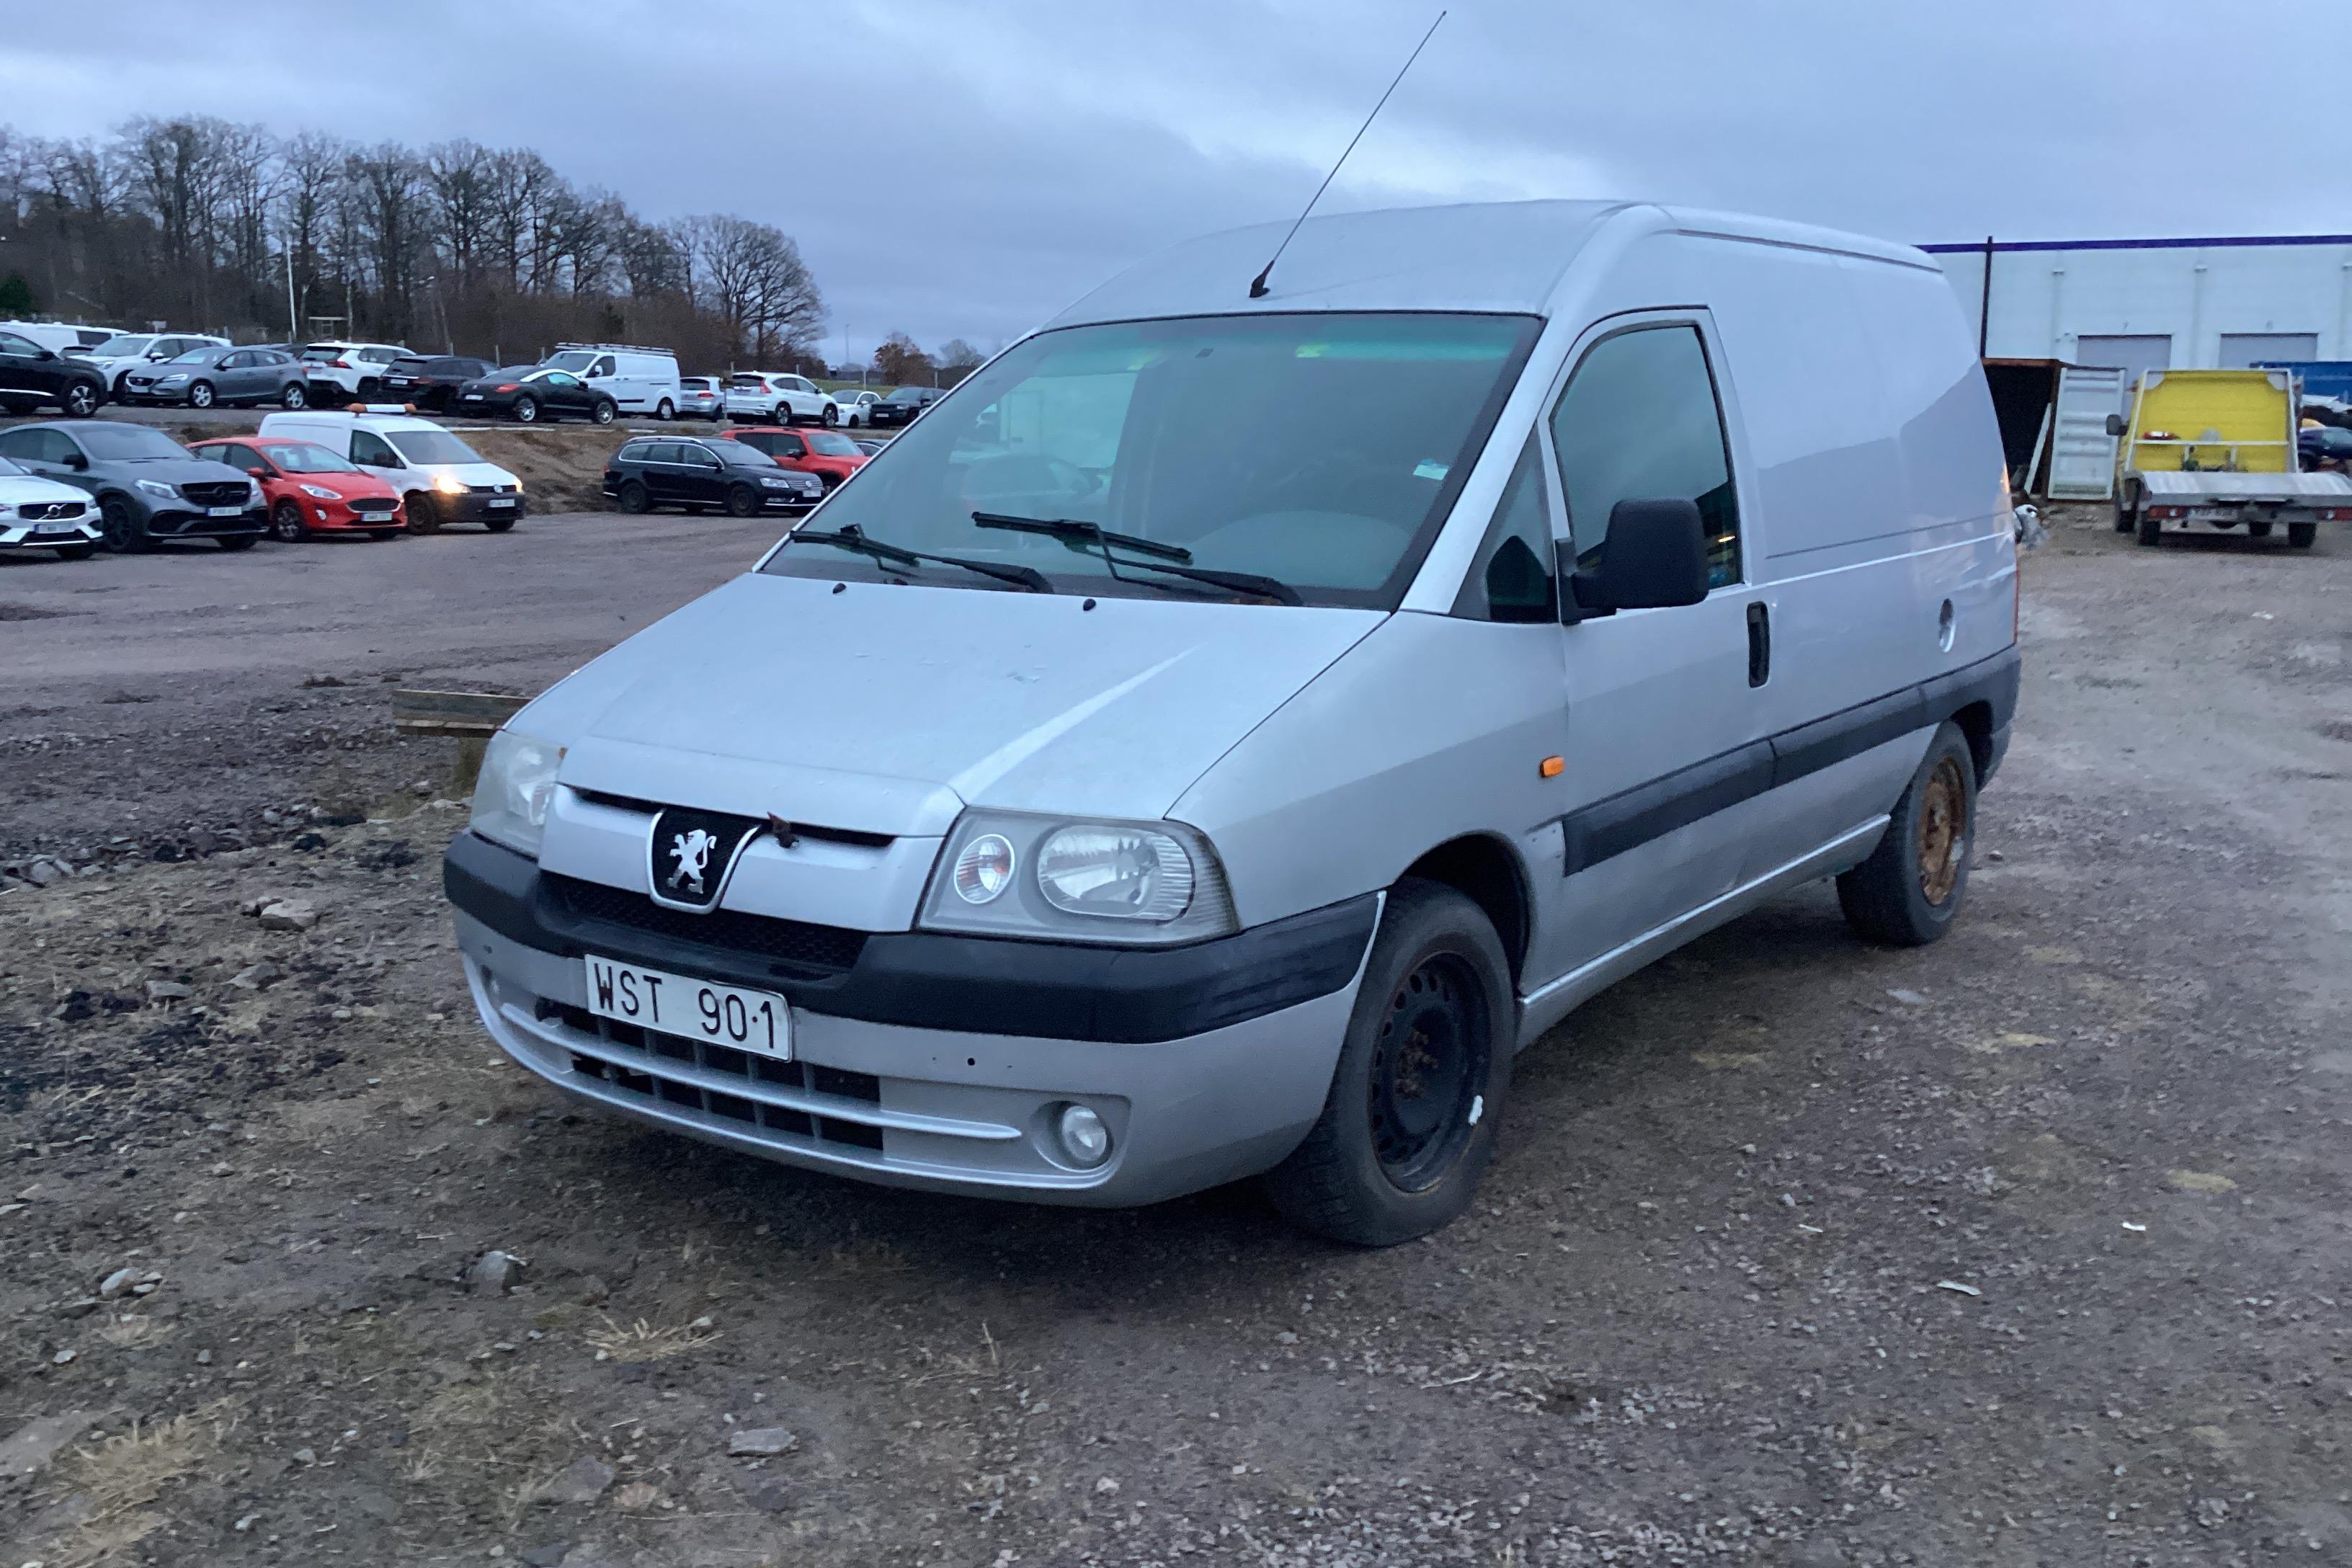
759, 1020
2211, 514
58, 528
397, 381
224, 512
473, 397
503, 501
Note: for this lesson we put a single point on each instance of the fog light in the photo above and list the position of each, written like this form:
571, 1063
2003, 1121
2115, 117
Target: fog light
1085, 1141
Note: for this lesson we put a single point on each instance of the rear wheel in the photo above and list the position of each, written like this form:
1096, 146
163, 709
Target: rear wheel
200, 394
238, 541
2303, 535
832, 414
606, 412
742, 502
1409, 1125
2151, 533
121, 525
526, 411
286, 524
666, 411
294, 395
423, 512
82, 399
76, 552
635, 499
1907, 892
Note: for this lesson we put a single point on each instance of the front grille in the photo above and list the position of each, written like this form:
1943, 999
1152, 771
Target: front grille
376, 506
49, 511
817, 950
222, 494
651, 1049
491, 489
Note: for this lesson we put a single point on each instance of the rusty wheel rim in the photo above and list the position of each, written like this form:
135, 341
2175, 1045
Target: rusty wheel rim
1943, 830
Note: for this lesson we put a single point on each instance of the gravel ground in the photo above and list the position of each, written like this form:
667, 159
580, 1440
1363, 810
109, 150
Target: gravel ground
2029, 1247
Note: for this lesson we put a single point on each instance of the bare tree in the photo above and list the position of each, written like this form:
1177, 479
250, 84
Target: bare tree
458, 174
758, 285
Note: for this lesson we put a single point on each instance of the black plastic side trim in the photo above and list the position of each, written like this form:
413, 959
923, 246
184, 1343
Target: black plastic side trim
1631, 819
1047, 990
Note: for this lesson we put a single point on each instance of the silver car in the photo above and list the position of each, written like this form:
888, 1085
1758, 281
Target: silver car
1225, 731
223, 376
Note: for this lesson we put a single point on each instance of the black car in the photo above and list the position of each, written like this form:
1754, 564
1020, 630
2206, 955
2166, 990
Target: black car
432, 381
699, 475
528, 393
150, 488
901, 406
34, 377
217, 376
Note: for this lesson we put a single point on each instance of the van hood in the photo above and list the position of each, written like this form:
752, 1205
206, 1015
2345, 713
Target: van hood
887, 708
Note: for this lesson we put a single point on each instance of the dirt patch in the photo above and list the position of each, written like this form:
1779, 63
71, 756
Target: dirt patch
562, 467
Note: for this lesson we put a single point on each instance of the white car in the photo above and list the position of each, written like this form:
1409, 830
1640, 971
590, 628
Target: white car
118, 355
440, 479
639, 381
60, 337
851, 406
357, 369
773, 397
42, 514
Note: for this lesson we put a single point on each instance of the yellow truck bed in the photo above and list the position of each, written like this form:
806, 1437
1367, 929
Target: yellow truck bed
2234, 421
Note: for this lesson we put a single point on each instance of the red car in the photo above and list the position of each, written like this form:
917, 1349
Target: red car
830, 457
311, 490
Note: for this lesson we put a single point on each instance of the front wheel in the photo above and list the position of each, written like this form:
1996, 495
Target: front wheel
81, 400
636, 499
424, 513
1907, 892
200, 394
742, 502
1409, 1125
526, 411
293, 395
606, 412
666, 411
120, 525
286, 524
2303, 535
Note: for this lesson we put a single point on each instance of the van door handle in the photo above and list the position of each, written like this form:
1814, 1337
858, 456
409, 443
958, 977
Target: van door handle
1759, 644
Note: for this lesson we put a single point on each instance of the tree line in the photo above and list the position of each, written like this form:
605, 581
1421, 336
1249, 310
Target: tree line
213, 225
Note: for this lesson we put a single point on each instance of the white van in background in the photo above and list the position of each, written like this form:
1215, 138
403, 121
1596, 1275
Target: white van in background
60, 337
642, 381
440, 479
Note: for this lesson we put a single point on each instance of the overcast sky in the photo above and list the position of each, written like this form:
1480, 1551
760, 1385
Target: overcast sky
966, 167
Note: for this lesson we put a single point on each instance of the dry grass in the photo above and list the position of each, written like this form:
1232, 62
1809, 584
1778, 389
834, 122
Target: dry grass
642, 1342
127, 1472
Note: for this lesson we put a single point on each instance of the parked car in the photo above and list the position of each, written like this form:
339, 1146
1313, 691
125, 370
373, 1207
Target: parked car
831, 458
439, 478
2322, 446
704, 473
60, 337
149, 489
850, 407
773, 397
639, 380
32, 377
348, 372
883, 861
42, 514
227, 377
528, 394
701, 397
901, 406
126, 352
869, 445
310, 489
431, 381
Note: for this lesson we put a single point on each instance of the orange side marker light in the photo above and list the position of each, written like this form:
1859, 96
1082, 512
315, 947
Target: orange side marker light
1552, 767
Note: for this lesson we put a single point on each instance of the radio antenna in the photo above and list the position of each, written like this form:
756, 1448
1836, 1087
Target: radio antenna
1257, 285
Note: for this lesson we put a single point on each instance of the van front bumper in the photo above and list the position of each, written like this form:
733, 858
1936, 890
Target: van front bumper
965, 1052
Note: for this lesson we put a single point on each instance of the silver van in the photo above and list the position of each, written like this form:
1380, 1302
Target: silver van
1224, 730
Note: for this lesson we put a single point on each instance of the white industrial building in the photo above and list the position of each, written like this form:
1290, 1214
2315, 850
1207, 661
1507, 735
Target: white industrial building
2158, 304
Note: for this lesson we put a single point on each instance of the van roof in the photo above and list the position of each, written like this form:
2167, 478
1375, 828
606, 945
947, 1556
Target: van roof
1505, 256
345, 417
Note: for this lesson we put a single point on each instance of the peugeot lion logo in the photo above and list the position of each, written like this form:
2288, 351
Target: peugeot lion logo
691, 850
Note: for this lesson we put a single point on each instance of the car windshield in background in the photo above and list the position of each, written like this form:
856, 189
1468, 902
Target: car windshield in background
125, 347
431, 447
127, 443
577, 363
741, 456
9, 471
1319, 450
304, 458
906, 394
196, 356
826, 445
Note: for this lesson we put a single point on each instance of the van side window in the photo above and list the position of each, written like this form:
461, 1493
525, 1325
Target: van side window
372, 450
1638, 421
1511, 577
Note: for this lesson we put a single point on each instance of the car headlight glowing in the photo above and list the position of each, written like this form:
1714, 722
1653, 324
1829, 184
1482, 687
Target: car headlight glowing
158, 488
516, 787
1144, 884
1121, 873
322, 493
449, 485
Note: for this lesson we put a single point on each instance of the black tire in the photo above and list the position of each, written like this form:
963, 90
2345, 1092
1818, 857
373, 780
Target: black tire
82, 399
76, 552
665, 410
784, 416
1384, 1164
293, 394
526, 411
2258, 530
2151, 532
287, 524
742, 502
1911, 889
635, 499
424, 513
121, 387
238, 541
2303, 535
832, 414
497, 525
201, 395
605, 411
121, 526
2126, 507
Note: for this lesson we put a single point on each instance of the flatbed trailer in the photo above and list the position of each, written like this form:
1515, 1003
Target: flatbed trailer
2213, 451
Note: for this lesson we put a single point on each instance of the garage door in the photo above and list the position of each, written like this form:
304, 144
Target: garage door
2243, 350
2130, 353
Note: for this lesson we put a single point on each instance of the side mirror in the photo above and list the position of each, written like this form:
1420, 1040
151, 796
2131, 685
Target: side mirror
76, 461
44, 354
1655, 559
258, 473
2116, 425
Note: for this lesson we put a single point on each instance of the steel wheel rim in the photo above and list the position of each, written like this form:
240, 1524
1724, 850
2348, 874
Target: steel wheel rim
1427, 1063
1943, 830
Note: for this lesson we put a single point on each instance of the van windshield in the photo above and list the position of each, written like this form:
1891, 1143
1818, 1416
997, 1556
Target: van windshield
424, 447
577, 363
1320, 450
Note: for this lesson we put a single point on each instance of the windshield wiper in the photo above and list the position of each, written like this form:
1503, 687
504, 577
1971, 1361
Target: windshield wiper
849, 536
1173, 559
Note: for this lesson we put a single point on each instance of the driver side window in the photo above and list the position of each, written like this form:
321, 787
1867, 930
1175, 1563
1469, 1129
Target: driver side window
372, 450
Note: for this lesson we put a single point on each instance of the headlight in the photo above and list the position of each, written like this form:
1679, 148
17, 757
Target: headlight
450, 485
1144, 884
158, 488
518, 782
323, 494
175, 375
780, 484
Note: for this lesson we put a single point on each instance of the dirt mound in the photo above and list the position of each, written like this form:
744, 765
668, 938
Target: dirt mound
562, 467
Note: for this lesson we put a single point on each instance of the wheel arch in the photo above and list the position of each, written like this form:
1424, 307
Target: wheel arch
1484, 869
1975, 721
